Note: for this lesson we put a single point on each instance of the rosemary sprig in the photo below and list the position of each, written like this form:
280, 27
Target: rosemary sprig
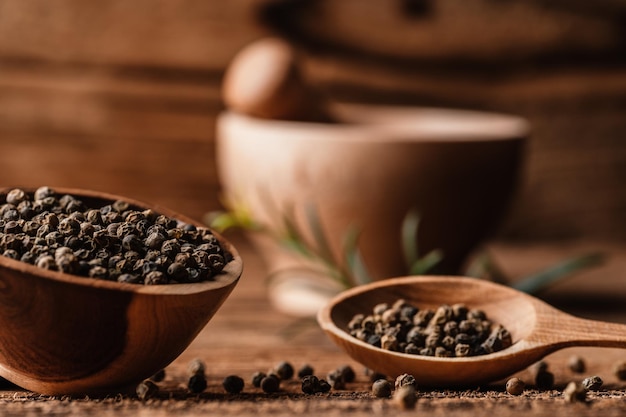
416, 264
354, 260
351, 270
537, 282
318, 251
484, 267
410, 226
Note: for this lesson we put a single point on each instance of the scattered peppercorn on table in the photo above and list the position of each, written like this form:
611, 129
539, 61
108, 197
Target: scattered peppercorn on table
249, 340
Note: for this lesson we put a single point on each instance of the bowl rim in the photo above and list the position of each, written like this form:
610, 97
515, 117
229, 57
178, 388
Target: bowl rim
387, 123
229, 275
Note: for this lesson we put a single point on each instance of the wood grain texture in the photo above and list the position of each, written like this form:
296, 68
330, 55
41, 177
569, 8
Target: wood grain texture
132, 89
79, 80
560, 64
247, 335
64, 334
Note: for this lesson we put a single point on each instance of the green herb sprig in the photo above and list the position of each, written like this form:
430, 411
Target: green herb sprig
351, 270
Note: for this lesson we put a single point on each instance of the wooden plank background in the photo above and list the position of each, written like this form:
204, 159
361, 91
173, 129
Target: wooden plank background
122, 96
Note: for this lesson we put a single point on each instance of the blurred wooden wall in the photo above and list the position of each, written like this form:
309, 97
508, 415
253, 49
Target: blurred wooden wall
121, 96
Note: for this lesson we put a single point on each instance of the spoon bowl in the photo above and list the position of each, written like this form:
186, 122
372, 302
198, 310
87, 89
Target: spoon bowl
537, 329
66, 334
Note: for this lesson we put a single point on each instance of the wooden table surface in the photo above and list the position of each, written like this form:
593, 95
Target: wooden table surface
248, 335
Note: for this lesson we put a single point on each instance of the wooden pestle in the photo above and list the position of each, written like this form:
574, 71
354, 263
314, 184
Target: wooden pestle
264, 80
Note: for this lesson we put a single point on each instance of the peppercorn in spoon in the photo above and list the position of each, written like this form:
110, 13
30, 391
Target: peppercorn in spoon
537, 329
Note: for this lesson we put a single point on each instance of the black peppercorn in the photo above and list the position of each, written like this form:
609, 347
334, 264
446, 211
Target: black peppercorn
592, 383
131, 242
94, 217
620, 370
324, 386
155, 240
11, 253
347, 373
305, 370
216, 262
412, 348
28, 258
130, 278
336, 380
69, 226
170, 248
113, 217
197, 383
12, 226
155, 278
576, 364
30, 228
165, 221
68, 263
380, 308
175, 233
26, 210
15, 196
575, 392
427, 351
544, 380
355, 322
373, 375
284, 370
257, 377
442, 352
404, 380
178, 272
233, 384
405, 397
120, 206
98, 272
270, 383
43, 192
381, 388
515, 386
193, 275
147, 389
196, 367
46, 262
389, 342
372, 339
310, 384
10, 213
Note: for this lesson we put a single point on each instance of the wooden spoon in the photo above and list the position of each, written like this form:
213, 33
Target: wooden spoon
65, 334
537, 329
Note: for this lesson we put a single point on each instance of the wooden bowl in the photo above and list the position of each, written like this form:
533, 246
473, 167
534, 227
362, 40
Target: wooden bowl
65, 334
458, 169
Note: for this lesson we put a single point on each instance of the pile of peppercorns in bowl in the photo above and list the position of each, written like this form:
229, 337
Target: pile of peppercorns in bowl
113, 241
84, 305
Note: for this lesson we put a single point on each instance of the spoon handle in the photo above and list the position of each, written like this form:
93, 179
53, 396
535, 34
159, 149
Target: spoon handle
574, 331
